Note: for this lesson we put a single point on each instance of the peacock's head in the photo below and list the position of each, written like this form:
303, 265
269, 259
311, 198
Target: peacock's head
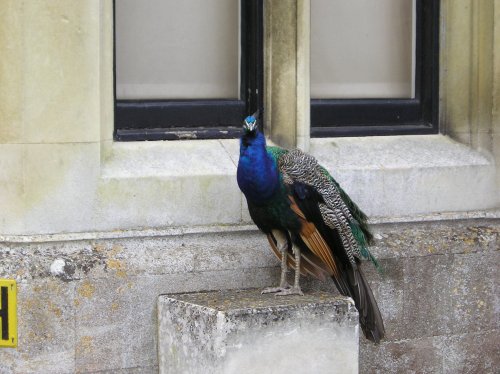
250, 124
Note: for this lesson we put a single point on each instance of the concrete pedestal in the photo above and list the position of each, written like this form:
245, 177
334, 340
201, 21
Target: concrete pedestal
242, 331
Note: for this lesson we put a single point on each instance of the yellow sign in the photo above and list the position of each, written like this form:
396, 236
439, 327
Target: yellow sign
8, 313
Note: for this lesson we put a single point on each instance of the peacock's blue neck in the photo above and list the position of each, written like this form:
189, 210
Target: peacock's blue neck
257, 175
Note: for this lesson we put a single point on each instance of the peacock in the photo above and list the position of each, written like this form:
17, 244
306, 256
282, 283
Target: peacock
311, 224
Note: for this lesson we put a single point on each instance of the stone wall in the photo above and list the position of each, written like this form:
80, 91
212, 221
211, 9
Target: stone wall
438, 297
90, 305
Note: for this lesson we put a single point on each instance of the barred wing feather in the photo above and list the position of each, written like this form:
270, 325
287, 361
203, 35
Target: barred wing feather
335, 230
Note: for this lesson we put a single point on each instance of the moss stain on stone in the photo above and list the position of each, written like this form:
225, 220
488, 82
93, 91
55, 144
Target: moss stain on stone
86, 290
115, 306
85, 345
118, 266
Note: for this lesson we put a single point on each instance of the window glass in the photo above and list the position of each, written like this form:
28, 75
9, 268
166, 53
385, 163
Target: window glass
362, 49
171, 49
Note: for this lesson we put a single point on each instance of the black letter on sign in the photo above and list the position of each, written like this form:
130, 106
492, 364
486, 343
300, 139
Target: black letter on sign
4, 313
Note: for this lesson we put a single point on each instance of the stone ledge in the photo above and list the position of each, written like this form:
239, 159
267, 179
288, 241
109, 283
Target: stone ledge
158, 185
395, 152
167, 185
397, 176
393, 176
479, 217
244, 331
167, 159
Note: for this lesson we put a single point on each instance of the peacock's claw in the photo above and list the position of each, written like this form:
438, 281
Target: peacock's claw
276, 290
290, 291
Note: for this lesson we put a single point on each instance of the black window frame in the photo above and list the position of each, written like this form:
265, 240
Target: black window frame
365, 117
199, 119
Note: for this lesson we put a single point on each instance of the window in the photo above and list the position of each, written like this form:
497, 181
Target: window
186, 69
374, 67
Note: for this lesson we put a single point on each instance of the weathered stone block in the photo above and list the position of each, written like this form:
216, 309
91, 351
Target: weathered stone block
433, 238
122, 310
474, 278
426, 300
46, 330
405, 356
471, 353
244, 331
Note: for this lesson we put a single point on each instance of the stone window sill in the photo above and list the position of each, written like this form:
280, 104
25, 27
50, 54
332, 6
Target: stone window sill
193, 183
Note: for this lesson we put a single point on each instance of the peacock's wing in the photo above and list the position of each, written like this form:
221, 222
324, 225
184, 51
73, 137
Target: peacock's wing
330, 229
315, 238
337, 210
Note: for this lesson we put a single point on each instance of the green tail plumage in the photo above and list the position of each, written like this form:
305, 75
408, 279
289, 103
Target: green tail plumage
359, 226
359, 235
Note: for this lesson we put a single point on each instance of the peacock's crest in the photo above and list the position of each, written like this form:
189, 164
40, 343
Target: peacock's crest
250, 124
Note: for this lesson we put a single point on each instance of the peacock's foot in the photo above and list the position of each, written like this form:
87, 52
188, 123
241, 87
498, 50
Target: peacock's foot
290, 291
276, 290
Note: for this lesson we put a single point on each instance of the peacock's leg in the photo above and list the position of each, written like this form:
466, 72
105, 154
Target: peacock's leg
284, 256
295, 290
